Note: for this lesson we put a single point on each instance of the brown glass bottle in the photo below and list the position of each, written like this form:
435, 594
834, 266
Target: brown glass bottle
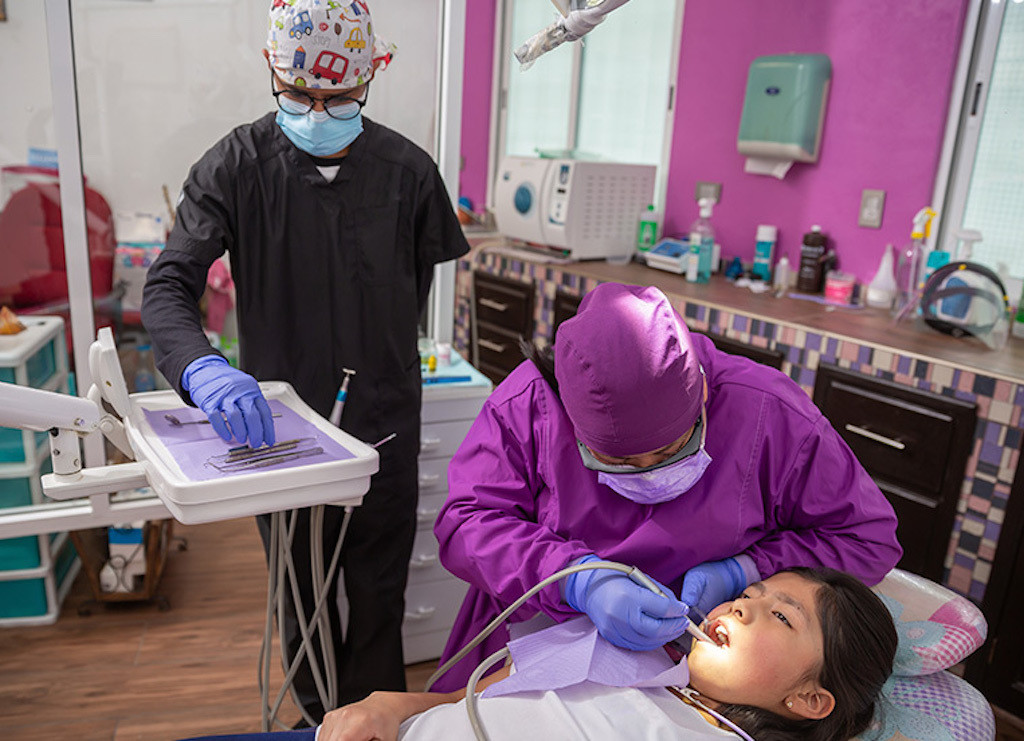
811, 276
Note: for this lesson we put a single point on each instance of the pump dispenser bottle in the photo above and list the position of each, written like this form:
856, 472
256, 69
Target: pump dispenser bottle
702, 244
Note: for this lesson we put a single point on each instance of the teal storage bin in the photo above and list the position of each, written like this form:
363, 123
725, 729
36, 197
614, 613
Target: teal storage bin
22, 598
42, 366
26, 598
21, 553
12, 444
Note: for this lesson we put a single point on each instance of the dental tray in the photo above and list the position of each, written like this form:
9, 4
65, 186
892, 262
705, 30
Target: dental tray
184, 459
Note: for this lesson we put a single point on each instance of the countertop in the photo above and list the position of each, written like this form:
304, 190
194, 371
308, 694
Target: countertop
864, 325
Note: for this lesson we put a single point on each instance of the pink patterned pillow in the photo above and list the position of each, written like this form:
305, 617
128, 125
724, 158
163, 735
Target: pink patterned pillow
937, 628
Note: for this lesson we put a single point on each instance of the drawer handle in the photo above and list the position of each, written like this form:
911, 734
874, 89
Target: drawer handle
422, 613
429, 443
426, 515
422, 561
492, 304
429, 479
492, 346
875, 436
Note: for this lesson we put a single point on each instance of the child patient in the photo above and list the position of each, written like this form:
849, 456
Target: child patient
800, 655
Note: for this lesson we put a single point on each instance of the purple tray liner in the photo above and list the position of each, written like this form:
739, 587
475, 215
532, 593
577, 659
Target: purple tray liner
192, 446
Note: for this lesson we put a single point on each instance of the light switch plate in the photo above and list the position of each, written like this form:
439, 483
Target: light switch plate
872, 205
708, 190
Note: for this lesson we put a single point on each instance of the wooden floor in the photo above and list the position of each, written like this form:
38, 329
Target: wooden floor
131, 671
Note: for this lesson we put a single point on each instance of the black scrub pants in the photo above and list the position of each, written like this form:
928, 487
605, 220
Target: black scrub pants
375, 565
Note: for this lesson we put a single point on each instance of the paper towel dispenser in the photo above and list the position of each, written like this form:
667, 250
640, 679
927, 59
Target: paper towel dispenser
784, 108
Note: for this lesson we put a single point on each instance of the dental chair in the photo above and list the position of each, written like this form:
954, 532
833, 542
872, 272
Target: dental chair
922, 701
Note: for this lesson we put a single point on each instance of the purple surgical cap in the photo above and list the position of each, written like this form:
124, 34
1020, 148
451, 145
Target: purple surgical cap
627, 372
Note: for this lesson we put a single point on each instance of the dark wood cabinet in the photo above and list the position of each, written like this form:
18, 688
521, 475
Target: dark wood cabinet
915, 445
503, 315
763, 355
566, 306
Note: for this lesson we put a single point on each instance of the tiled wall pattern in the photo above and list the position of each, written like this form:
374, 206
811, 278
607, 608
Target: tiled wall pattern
997, 438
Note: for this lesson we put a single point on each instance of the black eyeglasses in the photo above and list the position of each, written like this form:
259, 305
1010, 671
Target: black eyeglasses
342, 107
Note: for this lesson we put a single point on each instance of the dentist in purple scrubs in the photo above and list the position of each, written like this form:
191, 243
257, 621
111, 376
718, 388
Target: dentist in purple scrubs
635, 441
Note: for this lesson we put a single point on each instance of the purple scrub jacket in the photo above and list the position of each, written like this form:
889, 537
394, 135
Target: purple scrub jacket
783, 488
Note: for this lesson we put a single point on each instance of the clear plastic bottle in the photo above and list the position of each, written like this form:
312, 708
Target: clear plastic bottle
908, 266
702, 244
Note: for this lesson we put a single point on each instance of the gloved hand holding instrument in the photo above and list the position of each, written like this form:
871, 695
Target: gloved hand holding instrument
626, 614
231, 399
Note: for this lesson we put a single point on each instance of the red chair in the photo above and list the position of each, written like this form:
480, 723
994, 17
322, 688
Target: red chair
33, 275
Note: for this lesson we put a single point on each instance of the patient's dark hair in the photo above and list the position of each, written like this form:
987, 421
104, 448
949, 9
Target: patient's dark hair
859, 646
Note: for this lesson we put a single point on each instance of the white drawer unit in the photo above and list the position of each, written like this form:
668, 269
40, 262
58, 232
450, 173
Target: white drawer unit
433, 596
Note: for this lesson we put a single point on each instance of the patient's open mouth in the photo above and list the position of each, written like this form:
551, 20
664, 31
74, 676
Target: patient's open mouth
718, 632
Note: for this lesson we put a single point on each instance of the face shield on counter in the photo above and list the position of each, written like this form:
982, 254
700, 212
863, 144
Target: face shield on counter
966, 299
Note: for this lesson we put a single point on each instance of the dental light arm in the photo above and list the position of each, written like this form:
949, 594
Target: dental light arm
573, 25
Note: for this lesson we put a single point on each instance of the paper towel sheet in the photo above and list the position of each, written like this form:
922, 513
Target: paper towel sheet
574, 652
766, 166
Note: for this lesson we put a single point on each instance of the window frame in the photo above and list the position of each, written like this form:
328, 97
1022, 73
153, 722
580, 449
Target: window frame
968, 101
505, 63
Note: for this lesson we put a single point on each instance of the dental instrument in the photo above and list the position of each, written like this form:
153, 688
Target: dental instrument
339, 400
579, 18
272, 460
175, 422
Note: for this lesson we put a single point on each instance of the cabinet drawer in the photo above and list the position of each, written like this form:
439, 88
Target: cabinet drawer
444, 410
424, 565
427, 509
433, 476
442, 439
505, 303
899, 434
432, 606
498, 349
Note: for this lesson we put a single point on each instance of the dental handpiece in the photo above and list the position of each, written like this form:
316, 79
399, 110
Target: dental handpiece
645, 581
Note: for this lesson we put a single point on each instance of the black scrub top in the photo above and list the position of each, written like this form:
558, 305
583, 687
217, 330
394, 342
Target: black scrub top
328, 275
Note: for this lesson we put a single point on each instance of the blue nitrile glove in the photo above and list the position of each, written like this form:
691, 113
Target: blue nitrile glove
711, 583
226, 393
625, 613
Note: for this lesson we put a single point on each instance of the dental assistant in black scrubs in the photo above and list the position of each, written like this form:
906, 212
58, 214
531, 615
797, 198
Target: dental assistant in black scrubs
333, 225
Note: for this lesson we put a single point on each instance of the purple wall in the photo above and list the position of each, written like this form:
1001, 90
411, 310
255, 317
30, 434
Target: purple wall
892, 69
476, 99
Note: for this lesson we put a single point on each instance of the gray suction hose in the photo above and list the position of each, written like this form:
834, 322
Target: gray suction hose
471, 702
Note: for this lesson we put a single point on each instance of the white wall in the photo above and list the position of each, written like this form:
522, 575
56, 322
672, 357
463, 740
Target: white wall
159, 81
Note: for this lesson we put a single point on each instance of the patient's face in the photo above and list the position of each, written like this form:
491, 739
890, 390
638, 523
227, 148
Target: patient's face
769, 642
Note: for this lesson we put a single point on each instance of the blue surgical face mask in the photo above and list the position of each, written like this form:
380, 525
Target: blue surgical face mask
664, 481
319, 134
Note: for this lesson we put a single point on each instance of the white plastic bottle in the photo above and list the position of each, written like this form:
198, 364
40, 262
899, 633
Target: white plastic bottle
702, 244
781, 278
882, 288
